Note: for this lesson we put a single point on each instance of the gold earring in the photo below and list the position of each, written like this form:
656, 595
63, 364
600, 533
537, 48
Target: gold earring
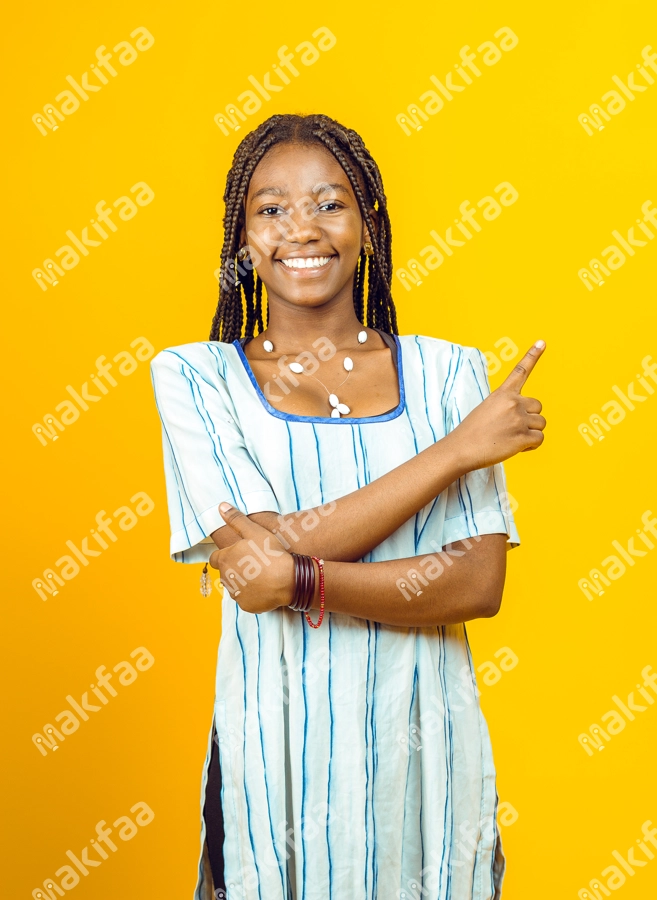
368, 248
242, 253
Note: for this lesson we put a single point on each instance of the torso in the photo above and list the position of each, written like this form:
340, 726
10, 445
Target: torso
379, 724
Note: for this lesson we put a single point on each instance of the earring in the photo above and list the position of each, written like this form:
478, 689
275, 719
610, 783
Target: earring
242, 253
368, 248
206, 582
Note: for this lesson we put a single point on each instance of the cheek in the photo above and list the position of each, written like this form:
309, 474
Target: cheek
347, 235
264, 238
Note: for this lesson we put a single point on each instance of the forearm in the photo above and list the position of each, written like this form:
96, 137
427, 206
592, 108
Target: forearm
451, 588
360, 521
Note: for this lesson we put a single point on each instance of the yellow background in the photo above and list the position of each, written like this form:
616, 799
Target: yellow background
154, 277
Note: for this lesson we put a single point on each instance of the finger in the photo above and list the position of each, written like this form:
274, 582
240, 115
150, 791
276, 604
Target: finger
245, 527
536, 422
516, 379
532, 405
537, 438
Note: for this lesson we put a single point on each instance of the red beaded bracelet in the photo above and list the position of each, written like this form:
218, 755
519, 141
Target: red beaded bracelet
320, 566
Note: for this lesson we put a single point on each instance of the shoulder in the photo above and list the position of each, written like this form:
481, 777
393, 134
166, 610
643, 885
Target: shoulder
208, 358
433, 350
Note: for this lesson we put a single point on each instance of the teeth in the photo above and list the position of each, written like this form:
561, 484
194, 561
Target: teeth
308, 262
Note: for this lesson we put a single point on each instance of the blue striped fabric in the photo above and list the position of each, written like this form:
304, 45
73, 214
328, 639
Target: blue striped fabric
356, 762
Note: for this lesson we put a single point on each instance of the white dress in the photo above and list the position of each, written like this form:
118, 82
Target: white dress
355, 760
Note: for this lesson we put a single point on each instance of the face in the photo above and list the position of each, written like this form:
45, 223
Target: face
303, 225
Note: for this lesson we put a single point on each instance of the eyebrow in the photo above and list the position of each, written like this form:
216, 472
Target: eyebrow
318, 189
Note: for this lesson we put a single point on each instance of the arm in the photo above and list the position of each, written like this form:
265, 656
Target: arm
503, 424
360, 521
459, 587
464, 582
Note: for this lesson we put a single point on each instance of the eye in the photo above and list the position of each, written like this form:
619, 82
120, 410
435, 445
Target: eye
270, 211
330, 206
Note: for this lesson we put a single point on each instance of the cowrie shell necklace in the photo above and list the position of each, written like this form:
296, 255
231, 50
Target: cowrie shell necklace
338, 409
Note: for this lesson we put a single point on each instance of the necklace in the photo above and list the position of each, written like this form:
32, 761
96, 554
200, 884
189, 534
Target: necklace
338, 409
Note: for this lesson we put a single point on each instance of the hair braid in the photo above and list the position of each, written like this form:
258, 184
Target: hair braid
240, 294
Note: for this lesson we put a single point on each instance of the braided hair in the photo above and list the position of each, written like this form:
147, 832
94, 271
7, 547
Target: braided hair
240, 307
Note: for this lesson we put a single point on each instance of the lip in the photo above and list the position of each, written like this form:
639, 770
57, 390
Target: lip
314, 272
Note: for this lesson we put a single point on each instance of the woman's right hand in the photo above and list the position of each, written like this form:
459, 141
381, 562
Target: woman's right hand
503, 424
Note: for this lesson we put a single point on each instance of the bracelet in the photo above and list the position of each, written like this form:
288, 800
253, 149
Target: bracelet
304, 586
320, 566
307, 590
304, 583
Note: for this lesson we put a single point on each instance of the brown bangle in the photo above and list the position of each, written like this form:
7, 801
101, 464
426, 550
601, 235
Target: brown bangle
304, 583
295, 590
310, 586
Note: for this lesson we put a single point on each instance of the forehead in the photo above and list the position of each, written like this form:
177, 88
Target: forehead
293, 169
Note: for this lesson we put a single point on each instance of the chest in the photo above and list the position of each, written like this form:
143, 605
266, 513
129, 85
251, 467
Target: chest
359, 384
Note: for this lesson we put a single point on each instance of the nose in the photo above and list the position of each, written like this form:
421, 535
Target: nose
299, 227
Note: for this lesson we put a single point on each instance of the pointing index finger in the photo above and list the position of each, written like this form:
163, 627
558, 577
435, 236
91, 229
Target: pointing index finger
517, 378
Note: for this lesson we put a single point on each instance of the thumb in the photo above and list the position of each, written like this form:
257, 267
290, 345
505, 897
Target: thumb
241, 524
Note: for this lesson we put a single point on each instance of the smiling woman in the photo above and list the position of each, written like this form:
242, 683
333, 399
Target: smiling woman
402, 440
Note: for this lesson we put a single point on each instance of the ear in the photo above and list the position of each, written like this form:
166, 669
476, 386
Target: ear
242, 239
366, 231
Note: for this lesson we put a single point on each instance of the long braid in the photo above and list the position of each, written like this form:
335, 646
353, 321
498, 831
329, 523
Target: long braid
258, 304
240, 295
359, 286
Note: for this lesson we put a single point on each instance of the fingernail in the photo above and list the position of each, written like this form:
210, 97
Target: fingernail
539, 345
225, 507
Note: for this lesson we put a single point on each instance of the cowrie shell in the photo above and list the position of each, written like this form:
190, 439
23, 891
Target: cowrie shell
268, 346
335, 414
343, 408
362, 337
296, 367
333, 400
348, 363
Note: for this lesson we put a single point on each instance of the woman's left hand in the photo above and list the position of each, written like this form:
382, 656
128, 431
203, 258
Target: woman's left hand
256, 571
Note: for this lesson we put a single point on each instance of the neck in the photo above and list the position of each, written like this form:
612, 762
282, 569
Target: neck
295, 328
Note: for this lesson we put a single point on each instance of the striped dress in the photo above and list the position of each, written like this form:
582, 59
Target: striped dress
356, 763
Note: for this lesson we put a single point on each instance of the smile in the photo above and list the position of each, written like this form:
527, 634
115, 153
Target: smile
306, 262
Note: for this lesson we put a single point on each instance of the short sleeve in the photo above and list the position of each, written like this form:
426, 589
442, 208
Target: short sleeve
478, 503
206, 460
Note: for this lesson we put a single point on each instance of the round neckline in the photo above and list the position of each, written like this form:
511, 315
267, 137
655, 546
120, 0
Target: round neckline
327, 420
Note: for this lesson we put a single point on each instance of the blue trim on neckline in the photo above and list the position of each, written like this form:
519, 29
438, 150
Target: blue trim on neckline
327, 420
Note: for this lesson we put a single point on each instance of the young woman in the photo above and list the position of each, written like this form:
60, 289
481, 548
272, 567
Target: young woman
322, 462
